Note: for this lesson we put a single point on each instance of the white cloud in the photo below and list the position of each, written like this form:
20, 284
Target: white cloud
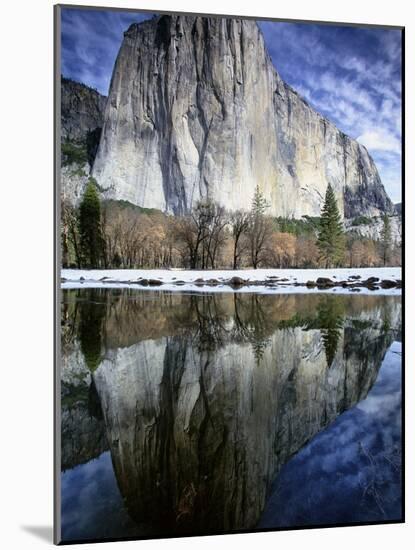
379, 140
357, 88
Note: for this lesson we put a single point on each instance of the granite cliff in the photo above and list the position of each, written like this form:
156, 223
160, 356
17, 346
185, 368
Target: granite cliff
196, 108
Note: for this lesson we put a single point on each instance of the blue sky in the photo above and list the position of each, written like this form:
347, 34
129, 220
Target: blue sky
351, 75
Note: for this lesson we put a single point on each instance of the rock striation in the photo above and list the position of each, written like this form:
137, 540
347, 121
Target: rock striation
196, 109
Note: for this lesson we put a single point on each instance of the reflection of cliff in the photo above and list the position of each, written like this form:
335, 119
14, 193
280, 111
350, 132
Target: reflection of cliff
82, 425
83, 428
206, 397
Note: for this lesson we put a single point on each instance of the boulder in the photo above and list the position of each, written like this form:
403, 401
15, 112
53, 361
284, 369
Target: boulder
386, 283
371, 280
324, 282
236, 281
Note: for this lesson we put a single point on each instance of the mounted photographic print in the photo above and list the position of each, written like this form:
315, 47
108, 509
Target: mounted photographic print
228, 274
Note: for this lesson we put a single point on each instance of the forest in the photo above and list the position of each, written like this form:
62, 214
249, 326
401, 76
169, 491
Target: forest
116, 234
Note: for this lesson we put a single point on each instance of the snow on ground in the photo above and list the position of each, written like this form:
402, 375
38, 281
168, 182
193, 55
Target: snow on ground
183, 280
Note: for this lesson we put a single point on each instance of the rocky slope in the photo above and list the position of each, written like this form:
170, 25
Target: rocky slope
82, 110
373, 229
82, 117
196, 108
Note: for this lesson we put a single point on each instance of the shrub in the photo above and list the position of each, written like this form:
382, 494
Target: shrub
73, 153
361, 220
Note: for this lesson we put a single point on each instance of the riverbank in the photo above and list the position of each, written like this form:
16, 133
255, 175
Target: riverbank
385, 280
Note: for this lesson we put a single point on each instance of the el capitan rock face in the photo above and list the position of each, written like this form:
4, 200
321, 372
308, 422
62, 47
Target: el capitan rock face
196, 108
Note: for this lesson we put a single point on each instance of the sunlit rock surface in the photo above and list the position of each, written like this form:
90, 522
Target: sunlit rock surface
196, 108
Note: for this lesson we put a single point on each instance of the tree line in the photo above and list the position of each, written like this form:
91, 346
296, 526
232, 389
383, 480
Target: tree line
116, 234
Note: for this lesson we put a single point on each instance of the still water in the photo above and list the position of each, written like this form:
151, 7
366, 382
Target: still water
200, 414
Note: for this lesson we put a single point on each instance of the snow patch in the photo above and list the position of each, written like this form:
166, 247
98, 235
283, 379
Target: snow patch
284, 280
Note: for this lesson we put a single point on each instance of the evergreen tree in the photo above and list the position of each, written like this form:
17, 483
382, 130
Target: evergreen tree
331, 237
89, 225
260, 229
259, 203
386, 239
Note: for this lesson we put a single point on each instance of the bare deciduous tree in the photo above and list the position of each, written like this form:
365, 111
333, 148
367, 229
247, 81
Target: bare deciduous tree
69, 233
239, 224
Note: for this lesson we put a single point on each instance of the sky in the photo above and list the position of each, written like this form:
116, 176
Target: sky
351, 75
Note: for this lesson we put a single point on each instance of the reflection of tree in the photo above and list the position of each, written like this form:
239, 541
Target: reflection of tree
330, 316
211, 330
329, 320
92, 313
122, 317
386, 321
69, 319
330, 339
251, 323
382, 469
132, 315
94, 403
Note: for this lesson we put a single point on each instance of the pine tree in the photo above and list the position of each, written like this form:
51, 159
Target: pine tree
89, 225
259, 203
260, 229
331, 237
386, 239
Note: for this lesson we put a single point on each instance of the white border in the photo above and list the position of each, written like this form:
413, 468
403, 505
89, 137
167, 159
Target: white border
26, 230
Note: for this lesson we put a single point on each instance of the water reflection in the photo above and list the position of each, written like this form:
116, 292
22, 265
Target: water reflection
359, 478
201, 399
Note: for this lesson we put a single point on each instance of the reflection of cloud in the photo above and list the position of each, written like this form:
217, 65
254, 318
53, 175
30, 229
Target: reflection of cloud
325, 482
91, 502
